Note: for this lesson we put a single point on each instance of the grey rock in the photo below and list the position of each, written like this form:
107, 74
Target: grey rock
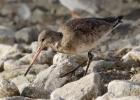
9, 52
11, 65
17, 11
51, 78
133, 15
123, 7
16, 98
8, 88
23, 11
120, 44
27, 35
34, 46
38, 15
99, 65
109, 96
45, 57
83, 89
120, 88
34, 92
7, 35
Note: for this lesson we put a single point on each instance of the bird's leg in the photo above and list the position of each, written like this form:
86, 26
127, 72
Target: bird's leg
72, 71
90, 56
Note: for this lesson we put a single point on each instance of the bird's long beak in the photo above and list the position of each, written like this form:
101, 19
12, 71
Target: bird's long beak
34, 59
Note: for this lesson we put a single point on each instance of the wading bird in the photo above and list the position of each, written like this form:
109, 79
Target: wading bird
77, 36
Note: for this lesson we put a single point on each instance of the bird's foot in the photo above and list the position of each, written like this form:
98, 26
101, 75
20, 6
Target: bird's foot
90, 56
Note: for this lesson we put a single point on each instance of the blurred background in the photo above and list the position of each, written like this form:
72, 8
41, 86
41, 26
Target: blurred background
22, 20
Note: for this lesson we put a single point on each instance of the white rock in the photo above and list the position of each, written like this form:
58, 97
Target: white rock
60, 57
136, 78
108, 96
34, 46
123, 88
83, 89
16, 98
133, 55
21, 82
4, 50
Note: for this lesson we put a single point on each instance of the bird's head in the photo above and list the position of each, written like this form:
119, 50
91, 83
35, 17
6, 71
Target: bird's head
47, 38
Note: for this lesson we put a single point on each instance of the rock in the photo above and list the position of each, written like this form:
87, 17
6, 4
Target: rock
108, 96
8, 88
38, 15
51, 78
4, 49
133, 15
7, 35
60, 57
26, 35
49, 56
16, 98
20, 82
45, 57
120, 44
120, 88
34, 92
17, 10
22, 48
123, 7
9, 52
37, 68
86, 88
99, 65
23, 12
12, 73
136, 78
132, 55
34, 46
10, 65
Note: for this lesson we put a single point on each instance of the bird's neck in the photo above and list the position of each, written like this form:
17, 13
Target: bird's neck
57, 42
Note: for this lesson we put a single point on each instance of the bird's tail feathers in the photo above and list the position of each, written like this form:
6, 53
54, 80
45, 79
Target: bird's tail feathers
119, 20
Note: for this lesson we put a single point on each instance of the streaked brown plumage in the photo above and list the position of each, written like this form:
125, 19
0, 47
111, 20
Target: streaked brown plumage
77, 35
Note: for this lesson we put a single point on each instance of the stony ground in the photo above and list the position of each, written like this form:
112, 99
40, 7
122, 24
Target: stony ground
115, 75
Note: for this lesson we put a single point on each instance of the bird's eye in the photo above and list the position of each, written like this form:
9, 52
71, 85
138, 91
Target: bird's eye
42, 40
